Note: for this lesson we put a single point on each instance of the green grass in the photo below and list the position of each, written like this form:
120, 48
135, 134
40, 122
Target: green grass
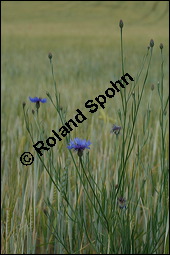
61, 204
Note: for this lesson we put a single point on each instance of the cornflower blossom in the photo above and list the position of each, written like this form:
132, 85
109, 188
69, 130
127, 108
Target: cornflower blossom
37, 100
79, 145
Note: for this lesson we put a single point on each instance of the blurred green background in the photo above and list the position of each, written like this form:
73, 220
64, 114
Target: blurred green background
84, 38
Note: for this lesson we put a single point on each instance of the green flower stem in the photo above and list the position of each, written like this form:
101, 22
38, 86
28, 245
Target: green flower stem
93, 194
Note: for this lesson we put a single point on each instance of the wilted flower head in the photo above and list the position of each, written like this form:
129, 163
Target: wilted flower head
151, 43
122, 202
115, 129
121, 24
79, 145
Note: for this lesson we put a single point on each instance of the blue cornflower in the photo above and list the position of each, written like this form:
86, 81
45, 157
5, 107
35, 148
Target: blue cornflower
79, 145
37, 100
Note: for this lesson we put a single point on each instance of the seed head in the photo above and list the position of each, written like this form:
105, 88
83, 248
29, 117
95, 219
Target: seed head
151, 43
50, 55
121, 24
161, 46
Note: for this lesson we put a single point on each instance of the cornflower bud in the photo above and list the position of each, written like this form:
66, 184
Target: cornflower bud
50, 55
121, 24
151, 43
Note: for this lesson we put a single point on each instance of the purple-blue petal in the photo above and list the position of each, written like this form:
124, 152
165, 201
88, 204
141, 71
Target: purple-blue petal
70, 147
44, 100
34, 100
79, 144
